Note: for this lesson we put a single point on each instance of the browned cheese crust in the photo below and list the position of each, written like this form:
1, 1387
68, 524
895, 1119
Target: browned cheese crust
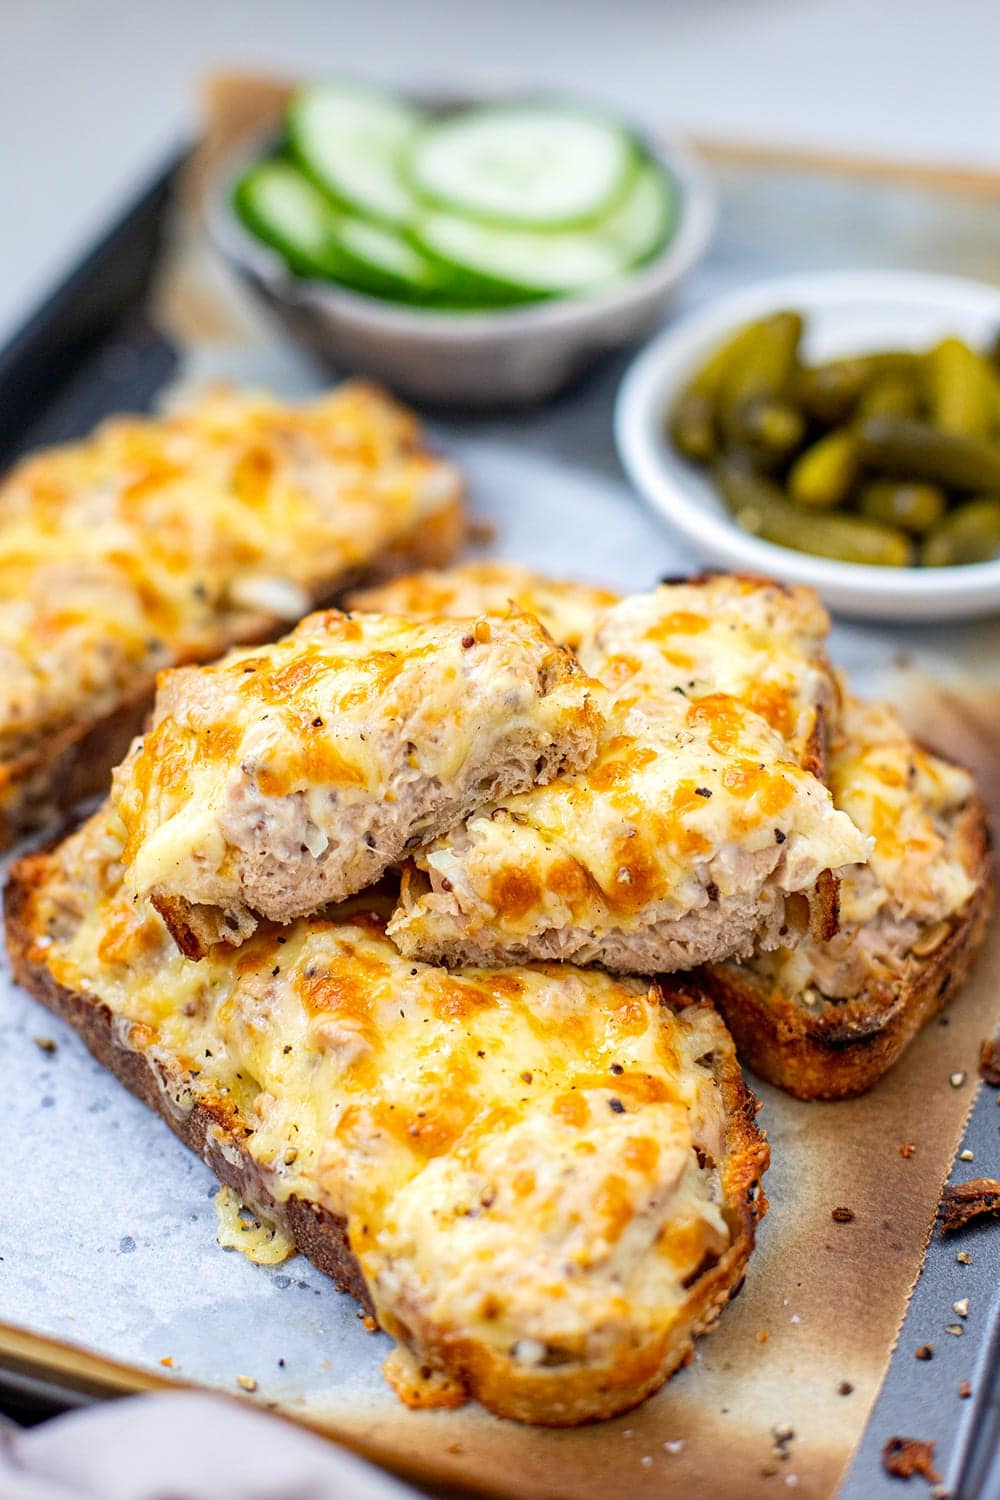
836, 1049
210, 1129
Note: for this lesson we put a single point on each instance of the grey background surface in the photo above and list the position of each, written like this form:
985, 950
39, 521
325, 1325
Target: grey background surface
94, 90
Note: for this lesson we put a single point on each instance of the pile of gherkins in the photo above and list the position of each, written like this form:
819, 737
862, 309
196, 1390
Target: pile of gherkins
889, 458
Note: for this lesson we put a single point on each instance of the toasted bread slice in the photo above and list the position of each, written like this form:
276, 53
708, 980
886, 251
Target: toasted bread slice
566, 609
699, 829
827, 1020
283, 778
454, 1149
161, 541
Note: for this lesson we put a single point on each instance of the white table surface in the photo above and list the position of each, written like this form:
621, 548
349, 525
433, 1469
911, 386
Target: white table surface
95, 90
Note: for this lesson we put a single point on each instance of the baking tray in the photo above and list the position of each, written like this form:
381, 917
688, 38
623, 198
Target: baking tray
95, 347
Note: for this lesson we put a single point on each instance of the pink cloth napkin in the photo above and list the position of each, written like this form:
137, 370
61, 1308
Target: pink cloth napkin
182, 1447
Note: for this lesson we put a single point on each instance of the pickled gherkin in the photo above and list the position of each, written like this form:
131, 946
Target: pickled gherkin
758, 506
890, 395
760, 369
917, 450
890, 458
959, 389
822, 478
914, 507
970, 534
692, 420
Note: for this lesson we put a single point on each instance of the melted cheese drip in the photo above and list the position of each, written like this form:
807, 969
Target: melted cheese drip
566, 609
513, 1151
250, 1233
159, 539
907, 800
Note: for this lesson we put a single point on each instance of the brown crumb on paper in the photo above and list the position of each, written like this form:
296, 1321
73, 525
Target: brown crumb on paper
763, 1336
906, 1149
926, 1351
482, 533
167, 1361
844, 1388
989, 1063
978, 1199
842, 1215
46, 1044
965, 1390
904, 1457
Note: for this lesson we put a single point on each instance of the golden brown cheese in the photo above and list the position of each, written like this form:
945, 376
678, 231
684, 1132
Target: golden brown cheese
761, 642
565, 608
693, 827
161, 539
294, 774
528, 1160
909, 802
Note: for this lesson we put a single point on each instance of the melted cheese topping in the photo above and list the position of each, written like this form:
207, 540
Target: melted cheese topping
525, 1158
908, 801
160, 539
760, 642
696, 809
273, 775
566, 609
691, 813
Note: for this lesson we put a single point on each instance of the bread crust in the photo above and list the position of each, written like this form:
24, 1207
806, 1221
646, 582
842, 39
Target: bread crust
526, 1394
837, 1049
75, 760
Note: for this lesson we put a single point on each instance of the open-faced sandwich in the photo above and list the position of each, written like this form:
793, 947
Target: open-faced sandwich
826, 1017
543, 1181
158, 541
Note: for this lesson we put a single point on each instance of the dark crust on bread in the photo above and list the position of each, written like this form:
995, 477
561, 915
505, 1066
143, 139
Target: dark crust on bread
837, 1049
75, 760
209, 1129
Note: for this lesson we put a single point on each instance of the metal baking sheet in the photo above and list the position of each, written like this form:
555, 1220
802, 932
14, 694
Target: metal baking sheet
107, 1234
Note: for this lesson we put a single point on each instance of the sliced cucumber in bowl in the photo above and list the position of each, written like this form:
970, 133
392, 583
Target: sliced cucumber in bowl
642, 223
282, 206
522, 165
516, 265
350, 139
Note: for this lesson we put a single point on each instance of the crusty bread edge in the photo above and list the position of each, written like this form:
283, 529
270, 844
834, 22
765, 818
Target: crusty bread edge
534, 1396
838, 1049
75, 760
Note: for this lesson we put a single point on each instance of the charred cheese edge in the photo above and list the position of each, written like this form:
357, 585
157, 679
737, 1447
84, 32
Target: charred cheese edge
566, 609
531, 1162
909, 801
162, 539
293, 774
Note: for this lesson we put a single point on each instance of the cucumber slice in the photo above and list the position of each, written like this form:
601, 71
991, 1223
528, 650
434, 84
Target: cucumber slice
350, 139
523, 165
385, 264
518, 264
281, 206
642, 223
285, 210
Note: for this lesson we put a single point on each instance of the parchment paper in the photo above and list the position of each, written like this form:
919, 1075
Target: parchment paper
107, 1231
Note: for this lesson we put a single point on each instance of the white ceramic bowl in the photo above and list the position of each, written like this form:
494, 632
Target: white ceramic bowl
507, 357
846, 312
